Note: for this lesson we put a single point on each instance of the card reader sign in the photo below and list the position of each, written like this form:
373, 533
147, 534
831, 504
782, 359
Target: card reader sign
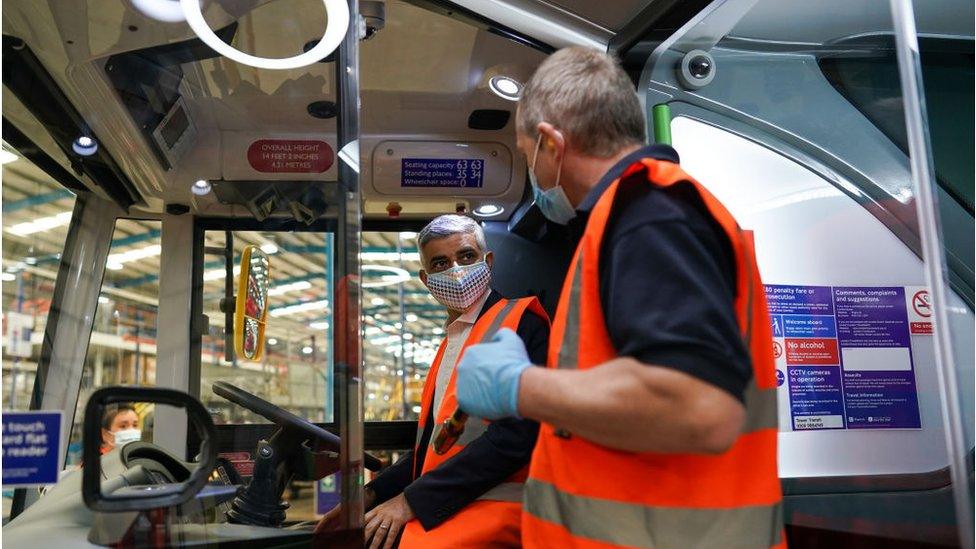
31, 445
442, 173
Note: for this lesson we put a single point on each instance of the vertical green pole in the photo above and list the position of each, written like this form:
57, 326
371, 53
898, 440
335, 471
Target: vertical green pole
661, 116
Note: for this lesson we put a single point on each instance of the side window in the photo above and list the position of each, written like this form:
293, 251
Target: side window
402, 326
36, 214
122, 348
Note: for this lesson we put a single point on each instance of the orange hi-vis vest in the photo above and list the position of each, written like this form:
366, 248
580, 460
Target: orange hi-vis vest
583, 495
494, 519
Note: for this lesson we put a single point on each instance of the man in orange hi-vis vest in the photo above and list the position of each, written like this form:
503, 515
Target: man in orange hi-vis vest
658, 406
467, 494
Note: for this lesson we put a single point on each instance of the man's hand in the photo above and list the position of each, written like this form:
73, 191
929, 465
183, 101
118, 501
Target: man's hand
385, 521
488, 376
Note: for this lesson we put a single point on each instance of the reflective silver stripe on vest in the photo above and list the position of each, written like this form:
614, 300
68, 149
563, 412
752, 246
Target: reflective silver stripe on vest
569, 350
761, 408
506, 491
647, 527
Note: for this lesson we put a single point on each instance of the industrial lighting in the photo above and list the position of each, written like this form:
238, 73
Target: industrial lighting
505, 87
300, 308
7, 156
217, 274
396, 275
389, 256
269, 248
85, 146
201, 187
272, 341
8, 277
307, 350
437, 331
134, 255
320, 325
488, 210
335, 31
412, 317
41, 225
290, 287
376, 301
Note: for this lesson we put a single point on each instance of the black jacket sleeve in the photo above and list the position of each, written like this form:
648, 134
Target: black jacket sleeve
391, 482
485, 462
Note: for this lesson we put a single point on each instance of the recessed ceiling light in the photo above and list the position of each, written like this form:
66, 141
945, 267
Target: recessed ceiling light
272, 341
307, 350
85, 146
167, 11
201, 187
505, 87
488, 210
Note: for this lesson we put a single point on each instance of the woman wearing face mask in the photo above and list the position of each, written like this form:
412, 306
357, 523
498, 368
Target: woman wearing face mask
468, 494
119, 426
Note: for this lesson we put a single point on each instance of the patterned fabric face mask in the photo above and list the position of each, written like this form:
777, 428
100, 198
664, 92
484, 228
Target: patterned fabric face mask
458, 288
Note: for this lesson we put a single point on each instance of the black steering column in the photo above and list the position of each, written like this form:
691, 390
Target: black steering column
298, 449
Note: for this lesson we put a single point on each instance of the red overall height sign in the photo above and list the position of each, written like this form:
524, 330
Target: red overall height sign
290, 156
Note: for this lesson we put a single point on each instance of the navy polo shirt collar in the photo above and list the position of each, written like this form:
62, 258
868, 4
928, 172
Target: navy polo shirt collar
657, 152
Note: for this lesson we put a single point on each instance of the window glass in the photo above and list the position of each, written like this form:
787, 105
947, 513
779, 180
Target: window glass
402, 326
36, 213
871, 84
122, 348
295, 370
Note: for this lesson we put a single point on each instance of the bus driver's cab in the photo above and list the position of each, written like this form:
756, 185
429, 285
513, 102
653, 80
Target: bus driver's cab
210, 212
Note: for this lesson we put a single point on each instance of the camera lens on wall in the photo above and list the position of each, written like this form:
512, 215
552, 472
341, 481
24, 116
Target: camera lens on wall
697, 69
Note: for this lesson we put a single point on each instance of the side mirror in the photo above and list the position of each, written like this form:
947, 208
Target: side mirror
251, 312
141, 498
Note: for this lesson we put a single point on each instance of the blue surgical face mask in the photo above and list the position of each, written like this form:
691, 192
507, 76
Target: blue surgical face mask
553, 203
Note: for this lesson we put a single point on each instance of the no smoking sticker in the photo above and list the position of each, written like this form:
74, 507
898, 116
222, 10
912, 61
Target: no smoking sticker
919, 310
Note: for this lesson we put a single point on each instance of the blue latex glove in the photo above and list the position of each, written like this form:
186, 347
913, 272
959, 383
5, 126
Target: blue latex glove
488, 376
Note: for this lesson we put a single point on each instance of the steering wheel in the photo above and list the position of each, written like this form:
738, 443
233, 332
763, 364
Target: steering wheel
284, 418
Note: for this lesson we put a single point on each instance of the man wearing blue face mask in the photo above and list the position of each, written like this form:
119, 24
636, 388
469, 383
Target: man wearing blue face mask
469, 494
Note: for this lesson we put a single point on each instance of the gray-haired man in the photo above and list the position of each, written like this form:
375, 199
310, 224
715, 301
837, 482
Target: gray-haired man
470, 494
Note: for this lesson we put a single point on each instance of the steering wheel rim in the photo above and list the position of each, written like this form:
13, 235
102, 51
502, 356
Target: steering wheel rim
283, 418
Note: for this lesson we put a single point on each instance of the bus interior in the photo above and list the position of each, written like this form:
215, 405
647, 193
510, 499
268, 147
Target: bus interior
231, 249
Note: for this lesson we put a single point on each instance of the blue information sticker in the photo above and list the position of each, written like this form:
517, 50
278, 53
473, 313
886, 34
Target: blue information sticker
31, 442
327, 493
442, 173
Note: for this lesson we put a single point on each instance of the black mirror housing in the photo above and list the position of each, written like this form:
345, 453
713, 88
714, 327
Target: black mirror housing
133, 499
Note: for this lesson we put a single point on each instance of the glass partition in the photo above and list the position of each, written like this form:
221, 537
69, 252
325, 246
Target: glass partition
794, 117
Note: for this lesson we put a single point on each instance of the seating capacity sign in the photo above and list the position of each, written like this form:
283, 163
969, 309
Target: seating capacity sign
31, 442
845, 354
442, 173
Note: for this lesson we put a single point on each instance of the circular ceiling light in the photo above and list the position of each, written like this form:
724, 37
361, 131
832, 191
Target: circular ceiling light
85, 146
504, 86
201, 187
167, 11
488, 210
335, 31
